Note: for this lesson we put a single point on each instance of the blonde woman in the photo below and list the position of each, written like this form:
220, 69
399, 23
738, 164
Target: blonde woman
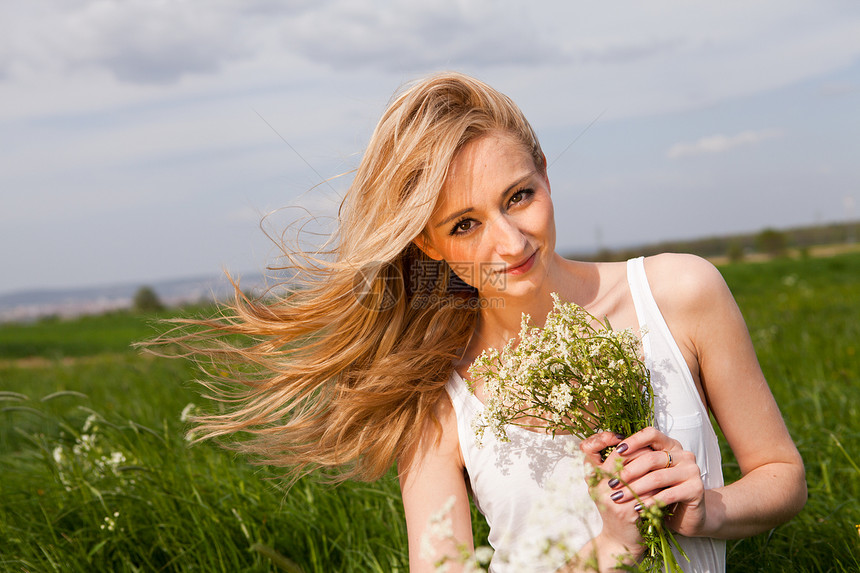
446, 237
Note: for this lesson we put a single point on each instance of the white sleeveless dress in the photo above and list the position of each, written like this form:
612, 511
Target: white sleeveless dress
532, 489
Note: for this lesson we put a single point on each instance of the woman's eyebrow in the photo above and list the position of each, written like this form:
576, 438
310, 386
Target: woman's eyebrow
454, 216
507, 190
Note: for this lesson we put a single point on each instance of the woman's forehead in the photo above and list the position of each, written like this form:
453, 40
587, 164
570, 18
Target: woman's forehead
488, 164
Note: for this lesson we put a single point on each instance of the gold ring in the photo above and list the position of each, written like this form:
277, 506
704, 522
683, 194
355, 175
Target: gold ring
668, 459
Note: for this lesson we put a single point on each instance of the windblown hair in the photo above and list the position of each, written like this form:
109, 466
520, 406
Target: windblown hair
344, 372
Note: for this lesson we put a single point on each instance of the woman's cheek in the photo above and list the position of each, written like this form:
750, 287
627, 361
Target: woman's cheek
467, 272
468, 259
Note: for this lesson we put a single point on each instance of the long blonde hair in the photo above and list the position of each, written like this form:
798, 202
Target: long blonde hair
344, 372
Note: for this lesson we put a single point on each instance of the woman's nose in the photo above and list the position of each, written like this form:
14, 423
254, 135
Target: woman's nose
507, 237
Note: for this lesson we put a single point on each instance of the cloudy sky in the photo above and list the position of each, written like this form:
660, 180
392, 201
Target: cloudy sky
145, 139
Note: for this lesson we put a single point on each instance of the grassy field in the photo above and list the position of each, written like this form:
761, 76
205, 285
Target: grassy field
95, 474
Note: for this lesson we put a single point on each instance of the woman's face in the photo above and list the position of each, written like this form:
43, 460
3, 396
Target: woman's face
493, 223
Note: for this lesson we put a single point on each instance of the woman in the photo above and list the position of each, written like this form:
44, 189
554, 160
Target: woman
446, 237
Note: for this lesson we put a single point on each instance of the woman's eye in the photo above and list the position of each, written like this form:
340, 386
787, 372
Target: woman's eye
463, 226
520, 196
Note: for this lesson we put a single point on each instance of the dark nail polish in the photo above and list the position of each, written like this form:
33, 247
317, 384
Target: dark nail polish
621, 449
613, 483
638, 507
616, 496
619, 436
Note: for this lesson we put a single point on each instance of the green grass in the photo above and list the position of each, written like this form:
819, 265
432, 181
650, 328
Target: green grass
99, 478
804, 318
86, 336
133, 496
95, 474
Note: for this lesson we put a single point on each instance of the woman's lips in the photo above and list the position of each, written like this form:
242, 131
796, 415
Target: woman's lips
522, 267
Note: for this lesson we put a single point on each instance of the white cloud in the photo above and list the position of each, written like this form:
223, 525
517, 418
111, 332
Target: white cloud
720, 143
408, 35
138, 41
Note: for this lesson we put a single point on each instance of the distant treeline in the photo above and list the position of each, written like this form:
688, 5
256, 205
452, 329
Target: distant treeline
770, 242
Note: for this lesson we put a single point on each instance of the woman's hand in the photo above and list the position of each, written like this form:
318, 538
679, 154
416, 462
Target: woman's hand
619, 537
658, 470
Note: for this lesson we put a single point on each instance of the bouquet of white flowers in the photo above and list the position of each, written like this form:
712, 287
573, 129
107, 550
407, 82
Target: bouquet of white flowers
575, 376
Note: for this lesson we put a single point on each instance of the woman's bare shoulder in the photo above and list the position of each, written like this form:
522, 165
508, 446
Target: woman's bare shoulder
684, 281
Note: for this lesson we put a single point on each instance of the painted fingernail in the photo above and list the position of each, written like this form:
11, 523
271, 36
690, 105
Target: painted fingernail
613, 483
619, 436
616, 496
621, 449
638, 506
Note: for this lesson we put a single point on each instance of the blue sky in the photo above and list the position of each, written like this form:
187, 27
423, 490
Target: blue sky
135, 138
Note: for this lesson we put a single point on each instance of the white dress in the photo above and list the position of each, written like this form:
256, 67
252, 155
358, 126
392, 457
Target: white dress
532, 489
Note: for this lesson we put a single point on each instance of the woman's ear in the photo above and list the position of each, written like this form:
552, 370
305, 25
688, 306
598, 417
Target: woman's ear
545, 174
423, 243
542, 167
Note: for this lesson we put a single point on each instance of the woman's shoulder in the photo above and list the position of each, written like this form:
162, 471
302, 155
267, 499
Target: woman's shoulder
692, 265
693, 299
683, 280
439, 434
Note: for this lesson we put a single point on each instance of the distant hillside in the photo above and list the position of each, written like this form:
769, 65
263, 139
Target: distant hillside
770, 242
33, 304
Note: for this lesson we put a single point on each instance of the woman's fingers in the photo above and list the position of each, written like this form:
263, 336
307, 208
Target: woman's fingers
653, 462
679, 487
594, 445
645, 462
650, 438
649, 460
650, 484
644, 469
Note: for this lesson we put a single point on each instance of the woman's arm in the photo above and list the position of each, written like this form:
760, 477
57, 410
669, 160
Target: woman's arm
709, 328
438, 517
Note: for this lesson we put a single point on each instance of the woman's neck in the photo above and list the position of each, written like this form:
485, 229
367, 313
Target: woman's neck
573, 281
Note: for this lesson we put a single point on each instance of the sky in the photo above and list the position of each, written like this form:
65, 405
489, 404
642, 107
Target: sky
143, 140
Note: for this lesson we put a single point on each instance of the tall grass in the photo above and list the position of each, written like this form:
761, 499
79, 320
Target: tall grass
58, 338
95, 474
804, 318
99, 483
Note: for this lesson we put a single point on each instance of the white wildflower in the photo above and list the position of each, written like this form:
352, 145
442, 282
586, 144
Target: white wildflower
110, 522
86, 442
483, 554
89, 423
439, 529
560, 398
478, 428
111, 463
